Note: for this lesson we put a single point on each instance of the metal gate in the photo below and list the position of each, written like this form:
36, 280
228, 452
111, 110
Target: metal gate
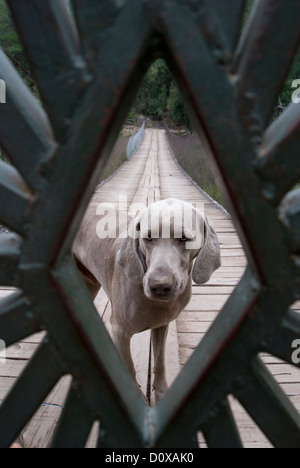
88, 68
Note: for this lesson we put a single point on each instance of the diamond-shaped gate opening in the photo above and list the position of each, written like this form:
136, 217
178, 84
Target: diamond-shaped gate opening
85, 103
152, 174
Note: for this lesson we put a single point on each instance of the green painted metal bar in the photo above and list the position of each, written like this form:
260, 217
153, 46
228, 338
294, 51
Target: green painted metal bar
17, 318
265, 56
75, 423
280, 345
220, 26
30, 390
281, 141
55, 57
95, 21
9, 259
229, 19
15, 193
22, 116
270, 408
221, 431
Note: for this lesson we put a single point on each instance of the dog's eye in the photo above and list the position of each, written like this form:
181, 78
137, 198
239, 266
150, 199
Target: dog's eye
149, 238
184, 239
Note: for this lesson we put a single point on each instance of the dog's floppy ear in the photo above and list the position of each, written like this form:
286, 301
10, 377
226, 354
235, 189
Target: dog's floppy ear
129, 257
208, 259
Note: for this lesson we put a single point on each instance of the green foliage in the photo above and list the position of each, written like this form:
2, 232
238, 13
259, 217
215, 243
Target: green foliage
158, 97
176, 108
151, 100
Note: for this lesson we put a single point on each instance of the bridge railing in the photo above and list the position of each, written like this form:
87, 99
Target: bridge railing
135, 141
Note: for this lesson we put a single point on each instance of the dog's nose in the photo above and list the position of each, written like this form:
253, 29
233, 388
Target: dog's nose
161, 287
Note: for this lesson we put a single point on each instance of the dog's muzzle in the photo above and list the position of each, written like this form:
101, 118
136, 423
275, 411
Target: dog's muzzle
161, 286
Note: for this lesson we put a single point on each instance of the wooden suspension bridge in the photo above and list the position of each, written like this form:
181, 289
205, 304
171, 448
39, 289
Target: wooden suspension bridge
151, 175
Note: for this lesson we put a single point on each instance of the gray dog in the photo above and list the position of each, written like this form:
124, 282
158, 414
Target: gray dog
146, 270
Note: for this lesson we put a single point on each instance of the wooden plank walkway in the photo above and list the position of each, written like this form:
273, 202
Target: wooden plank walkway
152, 174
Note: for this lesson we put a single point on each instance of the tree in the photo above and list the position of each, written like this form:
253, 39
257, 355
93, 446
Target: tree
151, 99
176, 108
158, 97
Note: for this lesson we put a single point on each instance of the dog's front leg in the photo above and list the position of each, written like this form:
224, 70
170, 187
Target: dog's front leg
122, 342
159, 336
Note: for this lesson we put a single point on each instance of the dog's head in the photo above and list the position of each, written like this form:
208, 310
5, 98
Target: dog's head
165, 245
